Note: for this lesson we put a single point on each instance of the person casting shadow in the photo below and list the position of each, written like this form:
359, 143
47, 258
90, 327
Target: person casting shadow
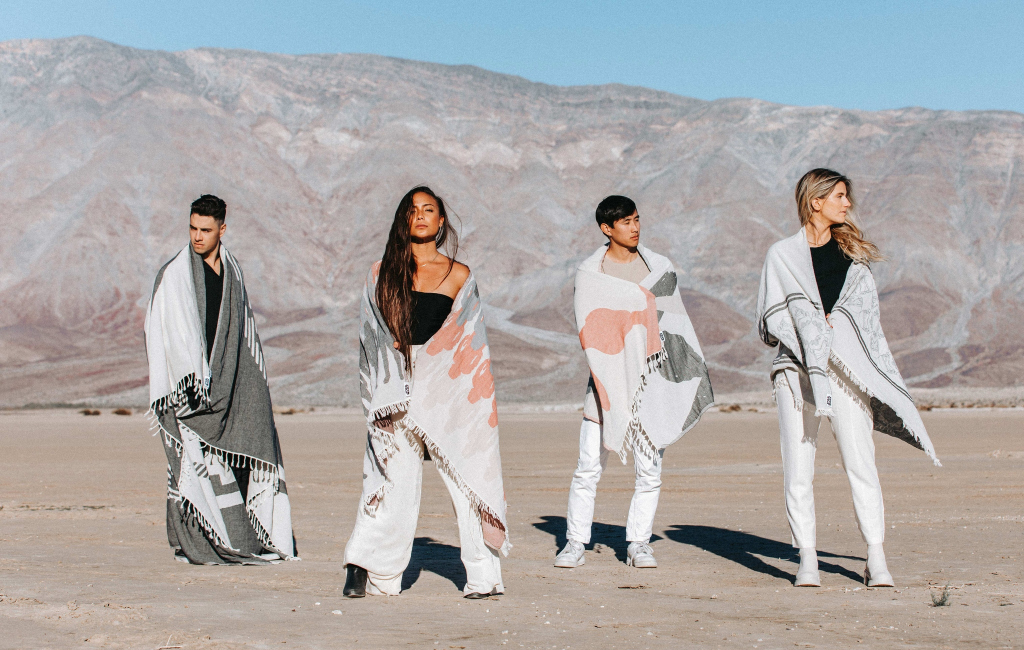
434, 556
743, 548
610, 535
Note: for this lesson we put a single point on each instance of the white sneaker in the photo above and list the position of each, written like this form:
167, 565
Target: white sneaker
640, 555
571, 556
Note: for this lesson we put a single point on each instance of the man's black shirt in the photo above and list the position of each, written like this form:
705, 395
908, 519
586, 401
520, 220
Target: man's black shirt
214, 291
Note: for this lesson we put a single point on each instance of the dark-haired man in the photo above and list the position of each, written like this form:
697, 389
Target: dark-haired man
648, 381
226, 497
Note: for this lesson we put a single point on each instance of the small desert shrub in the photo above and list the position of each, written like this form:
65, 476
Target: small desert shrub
941, 598
89, 412
732, 408
122, 411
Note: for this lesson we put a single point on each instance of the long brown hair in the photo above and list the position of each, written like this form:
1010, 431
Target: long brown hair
398, 268
818, 184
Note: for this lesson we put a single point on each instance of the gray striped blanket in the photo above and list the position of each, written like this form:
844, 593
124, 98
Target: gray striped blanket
227, 501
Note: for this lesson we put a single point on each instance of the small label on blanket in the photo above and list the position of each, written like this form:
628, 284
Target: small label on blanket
408, 389
662, 335
828, 400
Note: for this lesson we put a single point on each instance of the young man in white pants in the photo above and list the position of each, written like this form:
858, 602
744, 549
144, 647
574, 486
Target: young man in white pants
583, 494
649, 383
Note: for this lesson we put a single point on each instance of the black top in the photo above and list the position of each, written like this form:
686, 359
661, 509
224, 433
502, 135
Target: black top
830, 267
214, 290
428, 313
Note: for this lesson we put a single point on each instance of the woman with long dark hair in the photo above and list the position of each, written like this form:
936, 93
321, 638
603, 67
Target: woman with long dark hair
427, 392
819, 304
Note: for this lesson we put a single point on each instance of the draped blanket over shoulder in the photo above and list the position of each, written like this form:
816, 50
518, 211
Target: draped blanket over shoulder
451, 405
648, 380
789, 314
216, 420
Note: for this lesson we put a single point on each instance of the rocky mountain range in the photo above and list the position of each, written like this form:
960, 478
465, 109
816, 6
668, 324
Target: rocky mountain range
103, 147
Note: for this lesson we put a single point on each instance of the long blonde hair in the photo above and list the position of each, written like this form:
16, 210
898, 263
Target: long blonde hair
818, 184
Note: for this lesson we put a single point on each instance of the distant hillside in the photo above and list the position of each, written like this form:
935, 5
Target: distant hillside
102, 148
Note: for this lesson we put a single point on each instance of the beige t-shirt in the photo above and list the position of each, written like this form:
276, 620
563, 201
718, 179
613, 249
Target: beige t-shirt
634, 271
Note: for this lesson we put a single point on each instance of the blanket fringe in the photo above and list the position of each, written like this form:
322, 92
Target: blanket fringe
179, 396
257, 525
445, 465
389, 410
850, 378
191, 512
263, 472
636, 438
387, 449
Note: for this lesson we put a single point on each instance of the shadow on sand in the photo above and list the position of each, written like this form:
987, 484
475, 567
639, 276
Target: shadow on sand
610, 535
433, 556
743, 549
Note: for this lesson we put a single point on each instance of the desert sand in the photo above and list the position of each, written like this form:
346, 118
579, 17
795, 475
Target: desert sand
84, 560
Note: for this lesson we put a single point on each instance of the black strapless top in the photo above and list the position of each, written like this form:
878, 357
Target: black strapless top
429, 310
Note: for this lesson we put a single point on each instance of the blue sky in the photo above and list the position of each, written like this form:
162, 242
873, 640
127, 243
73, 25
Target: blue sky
864, 54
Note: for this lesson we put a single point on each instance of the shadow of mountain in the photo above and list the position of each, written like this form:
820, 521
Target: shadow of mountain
442, 559
743, 548
610, 535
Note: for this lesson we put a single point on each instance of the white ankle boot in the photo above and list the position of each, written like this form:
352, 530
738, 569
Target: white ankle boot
807, 575
876, 573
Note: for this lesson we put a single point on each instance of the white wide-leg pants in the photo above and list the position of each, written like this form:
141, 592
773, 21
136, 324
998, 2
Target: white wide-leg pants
852, 427
382, 543
583, 490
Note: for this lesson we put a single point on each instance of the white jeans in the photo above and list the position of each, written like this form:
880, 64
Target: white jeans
382, 543
852, 427
583, 490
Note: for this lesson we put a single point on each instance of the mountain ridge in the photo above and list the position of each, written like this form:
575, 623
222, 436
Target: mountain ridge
103, 147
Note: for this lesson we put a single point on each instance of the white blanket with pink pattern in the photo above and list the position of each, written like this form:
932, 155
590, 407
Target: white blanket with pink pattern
649, 383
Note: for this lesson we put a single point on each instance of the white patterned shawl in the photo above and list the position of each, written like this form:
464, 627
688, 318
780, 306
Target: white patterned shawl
789, 313
649, 383
216, 420
451, 405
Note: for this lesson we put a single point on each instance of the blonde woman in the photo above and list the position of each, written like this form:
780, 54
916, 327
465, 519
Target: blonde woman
819, 304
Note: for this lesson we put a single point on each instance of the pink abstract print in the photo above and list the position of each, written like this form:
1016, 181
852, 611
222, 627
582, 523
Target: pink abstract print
468, 359
605, 329
447, 337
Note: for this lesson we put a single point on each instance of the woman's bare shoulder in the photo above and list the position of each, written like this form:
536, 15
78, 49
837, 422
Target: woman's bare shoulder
459, 275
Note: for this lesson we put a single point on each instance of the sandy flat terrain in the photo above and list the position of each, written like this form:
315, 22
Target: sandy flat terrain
84, 560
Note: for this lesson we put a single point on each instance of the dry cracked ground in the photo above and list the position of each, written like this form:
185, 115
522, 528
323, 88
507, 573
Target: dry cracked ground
84, 560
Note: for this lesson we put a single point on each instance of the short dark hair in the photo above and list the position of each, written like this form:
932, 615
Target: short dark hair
613, 208
209, 205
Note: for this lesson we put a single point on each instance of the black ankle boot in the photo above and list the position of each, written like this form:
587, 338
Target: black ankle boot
355, 582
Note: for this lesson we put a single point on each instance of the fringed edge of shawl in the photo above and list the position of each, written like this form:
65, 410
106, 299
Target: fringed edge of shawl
852, 378
179, 396
389, 447
798, 399
231, 458
636, 438
242, 461
443, 463
190, 511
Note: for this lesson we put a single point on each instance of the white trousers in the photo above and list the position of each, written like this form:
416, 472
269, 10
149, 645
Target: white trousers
583, 490
382, 543
852, 427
